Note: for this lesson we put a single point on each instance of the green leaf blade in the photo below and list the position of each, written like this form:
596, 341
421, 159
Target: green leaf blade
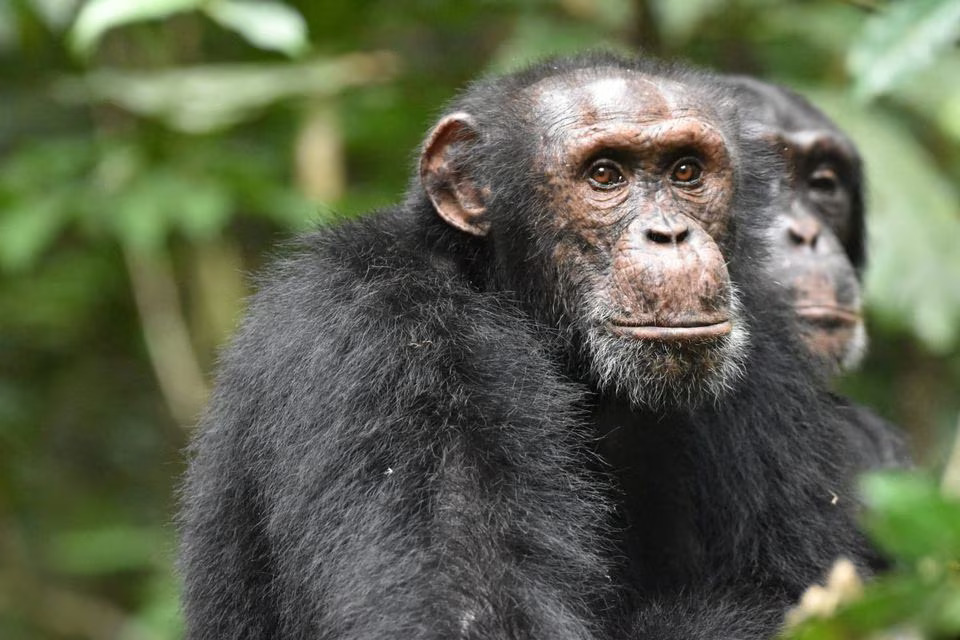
267, 25
900, 40
99, 16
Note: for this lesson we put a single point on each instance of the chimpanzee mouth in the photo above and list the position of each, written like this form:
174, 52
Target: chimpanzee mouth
828, 317
678, 333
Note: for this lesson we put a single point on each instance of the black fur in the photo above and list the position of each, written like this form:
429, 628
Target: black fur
402, 444
879, 443
702, 614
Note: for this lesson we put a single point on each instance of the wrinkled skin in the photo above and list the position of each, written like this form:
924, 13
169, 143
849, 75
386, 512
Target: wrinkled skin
642, 182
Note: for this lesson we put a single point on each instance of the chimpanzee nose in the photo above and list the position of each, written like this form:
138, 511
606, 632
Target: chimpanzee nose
804, 231
668, 232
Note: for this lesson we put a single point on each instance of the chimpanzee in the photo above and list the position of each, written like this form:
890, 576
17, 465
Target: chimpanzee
551, 389
819, 243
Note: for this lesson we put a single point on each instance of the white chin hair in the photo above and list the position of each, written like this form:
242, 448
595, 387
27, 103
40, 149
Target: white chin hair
659, 375
856, 349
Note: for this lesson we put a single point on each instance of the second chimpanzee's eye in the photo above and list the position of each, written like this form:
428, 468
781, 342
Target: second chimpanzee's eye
824, 180
686, 172
604, 174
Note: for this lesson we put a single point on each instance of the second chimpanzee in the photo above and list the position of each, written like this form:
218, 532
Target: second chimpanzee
550, 387
819, 243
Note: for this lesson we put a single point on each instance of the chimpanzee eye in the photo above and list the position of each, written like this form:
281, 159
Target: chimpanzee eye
824, 179
604, 174
686, 172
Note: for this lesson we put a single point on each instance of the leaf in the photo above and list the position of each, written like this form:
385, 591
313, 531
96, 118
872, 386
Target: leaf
56, 14
268, 25
37, 166
910, 518
679, 20
99, 16
140, 217
948, 616
215, 96
9, 38
160, 612
28, 229
534, 36
200, 209
107, 550
161, 201
900, 40
949, 116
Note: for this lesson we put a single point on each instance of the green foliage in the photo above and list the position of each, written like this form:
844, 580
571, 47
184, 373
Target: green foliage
920, 598
679, 20
268, 25
213, 97
910, 518
107, 550
112, 189
154, 151
99, 16
898, 41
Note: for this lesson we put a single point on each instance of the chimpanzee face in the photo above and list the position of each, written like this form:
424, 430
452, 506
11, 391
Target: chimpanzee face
639, 180
809, 241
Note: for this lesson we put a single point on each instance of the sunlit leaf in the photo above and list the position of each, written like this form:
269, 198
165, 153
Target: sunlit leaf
948, 617
949, 115
99, 16
268, 25
55, 13
902, 38
213, 97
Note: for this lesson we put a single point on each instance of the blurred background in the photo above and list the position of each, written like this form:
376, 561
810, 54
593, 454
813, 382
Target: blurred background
154, 153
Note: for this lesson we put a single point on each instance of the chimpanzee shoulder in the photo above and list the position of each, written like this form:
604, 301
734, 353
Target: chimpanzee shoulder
370, 389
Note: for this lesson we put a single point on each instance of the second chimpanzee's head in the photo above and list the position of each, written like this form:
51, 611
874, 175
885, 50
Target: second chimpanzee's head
817, 239
611, 195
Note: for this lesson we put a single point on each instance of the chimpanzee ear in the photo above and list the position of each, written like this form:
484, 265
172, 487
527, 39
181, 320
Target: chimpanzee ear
455, 196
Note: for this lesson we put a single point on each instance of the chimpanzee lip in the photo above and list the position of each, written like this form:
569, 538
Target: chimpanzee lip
828, 316
673, 333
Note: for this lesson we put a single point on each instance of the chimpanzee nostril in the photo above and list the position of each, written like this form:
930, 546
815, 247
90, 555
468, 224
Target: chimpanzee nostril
673, 233
804, 231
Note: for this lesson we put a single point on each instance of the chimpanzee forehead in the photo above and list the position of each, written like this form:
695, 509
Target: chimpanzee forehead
587, 98
820, 142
